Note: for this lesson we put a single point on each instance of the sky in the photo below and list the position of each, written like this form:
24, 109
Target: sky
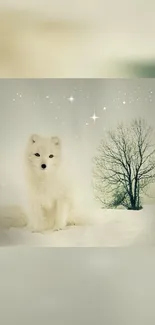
113, 16
65, 108
102, 38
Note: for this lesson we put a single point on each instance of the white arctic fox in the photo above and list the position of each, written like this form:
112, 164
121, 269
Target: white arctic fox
49, 193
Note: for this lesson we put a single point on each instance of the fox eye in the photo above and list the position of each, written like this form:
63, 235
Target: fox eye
37, 154
51, 156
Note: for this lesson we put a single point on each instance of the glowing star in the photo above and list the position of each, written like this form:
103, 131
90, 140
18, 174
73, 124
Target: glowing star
124, 102
104, 108
71, 99
20, 96
47, 97
94, 117
13, 99
87, 123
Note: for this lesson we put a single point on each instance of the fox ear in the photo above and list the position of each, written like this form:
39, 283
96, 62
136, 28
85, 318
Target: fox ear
34, 138
56, 141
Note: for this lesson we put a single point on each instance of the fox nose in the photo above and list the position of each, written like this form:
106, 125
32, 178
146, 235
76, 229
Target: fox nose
43, 166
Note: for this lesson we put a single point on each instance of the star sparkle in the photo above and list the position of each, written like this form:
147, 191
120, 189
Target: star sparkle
94, 117
71, 99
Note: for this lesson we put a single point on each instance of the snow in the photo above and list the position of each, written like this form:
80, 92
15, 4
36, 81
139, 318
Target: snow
80, 286
77, 286
106, 228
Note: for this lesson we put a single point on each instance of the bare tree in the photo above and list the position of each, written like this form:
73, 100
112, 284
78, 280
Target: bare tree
125, 165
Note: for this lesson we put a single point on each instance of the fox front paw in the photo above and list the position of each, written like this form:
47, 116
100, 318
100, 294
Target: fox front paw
57, 228
72, 223
37, 231
37, 228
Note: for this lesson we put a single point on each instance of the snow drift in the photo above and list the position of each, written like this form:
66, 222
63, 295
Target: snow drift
103, 228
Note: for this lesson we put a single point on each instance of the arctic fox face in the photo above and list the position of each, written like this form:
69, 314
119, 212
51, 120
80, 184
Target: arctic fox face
43, 154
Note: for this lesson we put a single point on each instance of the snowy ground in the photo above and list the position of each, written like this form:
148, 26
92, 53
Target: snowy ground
77, 286
80, 286
112, 228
